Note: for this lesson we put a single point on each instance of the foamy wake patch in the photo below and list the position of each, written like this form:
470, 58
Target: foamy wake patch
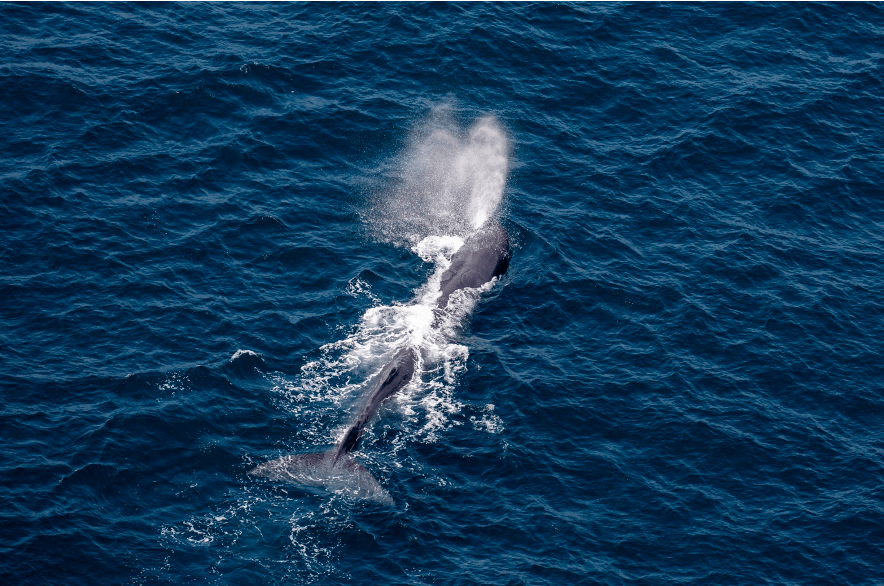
343, 374
357, 287
488, 421
450, 180
282, 535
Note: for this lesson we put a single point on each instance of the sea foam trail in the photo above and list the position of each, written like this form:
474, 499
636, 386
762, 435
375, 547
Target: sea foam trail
343, 373
451, 184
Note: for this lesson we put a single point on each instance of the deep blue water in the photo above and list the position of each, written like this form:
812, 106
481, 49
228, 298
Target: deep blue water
209, 223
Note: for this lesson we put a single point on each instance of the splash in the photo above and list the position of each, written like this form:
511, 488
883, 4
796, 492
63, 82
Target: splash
346, 368
449, 181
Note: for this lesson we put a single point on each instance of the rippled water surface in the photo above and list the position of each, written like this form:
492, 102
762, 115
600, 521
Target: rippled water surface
218, 221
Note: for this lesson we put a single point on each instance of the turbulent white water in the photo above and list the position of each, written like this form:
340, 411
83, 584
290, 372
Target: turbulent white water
449, 181
344, 372
452, 182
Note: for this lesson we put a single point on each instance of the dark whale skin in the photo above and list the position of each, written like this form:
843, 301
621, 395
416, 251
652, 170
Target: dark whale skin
484, 256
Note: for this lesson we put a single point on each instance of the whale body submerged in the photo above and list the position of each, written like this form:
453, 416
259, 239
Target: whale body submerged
482, 257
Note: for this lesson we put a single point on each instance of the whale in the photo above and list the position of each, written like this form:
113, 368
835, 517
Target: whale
484, 256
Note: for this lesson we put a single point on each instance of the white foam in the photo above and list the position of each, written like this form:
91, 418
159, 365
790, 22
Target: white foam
341, 376
239, 353
438, 249
451, 181
307, 554
357, 287
489, 421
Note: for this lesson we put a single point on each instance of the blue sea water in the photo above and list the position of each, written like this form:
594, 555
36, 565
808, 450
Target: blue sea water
218, 220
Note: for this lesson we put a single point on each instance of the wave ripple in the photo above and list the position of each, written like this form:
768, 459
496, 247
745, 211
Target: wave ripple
208, 211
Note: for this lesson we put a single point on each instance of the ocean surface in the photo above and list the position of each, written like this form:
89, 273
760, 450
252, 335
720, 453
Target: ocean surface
218, 221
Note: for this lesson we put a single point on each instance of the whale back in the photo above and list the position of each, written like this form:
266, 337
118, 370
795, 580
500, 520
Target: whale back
481, 258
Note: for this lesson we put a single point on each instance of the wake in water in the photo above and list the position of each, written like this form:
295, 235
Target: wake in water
444, 215
452, 187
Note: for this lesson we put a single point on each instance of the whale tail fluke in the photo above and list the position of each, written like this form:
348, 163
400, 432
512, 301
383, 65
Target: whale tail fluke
344, 475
